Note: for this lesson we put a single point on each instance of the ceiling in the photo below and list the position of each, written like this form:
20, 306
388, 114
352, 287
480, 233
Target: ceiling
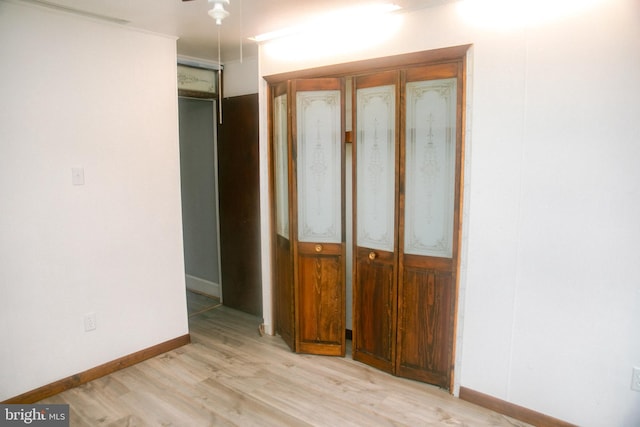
198, 33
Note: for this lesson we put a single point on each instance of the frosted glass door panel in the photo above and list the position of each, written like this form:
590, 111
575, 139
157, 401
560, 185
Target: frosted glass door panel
281, 165
376, 167
430, 167
319, 166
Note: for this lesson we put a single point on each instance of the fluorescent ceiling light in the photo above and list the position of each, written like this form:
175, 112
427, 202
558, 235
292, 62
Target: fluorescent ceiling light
329, 20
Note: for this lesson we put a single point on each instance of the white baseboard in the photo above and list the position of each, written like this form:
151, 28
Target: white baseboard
203, 286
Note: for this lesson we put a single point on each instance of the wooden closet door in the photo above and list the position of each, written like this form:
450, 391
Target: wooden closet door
318, 219
375, 193
283, 271
430, 170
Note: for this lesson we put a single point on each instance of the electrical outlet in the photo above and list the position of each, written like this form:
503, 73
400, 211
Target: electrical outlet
635, 379
89, 322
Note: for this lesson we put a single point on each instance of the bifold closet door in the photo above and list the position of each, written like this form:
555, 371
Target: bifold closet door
375, 278
430, 179
407, 178
283, 275
407, 138
318, 219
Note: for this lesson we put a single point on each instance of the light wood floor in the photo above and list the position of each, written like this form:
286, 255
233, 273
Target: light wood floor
198, 303
231, 376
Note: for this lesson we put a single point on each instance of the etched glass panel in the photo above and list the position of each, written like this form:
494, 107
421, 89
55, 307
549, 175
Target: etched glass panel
430, 167
319, 166
375, 164
281, 154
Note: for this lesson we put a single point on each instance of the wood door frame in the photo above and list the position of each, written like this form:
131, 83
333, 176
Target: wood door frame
430, 57
427, 57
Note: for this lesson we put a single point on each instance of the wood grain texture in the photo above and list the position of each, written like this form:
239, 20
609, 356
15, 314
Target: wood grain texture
377, 64
375, 309
318, 268
375, 284
282, 275
99, 371
428, 285
197, 302
320, 325
239, 198
284, 292
425, 326
230, 376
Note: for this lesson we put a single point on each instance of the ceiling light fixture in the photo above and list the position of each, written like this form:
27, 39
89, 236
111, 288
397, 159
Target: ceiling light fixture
218, 12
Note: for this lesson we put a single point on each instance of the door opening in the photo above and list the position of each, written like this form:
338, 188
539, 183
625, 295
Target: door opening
199, 187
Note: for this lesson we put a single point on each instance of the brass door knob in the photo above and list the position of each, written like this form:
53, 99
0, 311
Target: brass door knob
372, 255
318, 248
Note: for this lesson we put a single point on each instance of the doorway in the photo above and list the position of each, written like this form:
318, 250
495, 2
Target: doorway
199, 187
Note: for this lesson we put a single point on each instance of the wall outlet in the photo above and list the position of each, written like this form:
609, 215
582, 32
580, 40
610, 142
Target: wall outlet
89, 322
635, 379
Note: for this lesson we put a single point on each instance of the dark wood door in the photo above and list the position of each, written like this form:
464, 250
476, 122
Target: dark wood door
375, 119
239, 192
430, 182
317, 184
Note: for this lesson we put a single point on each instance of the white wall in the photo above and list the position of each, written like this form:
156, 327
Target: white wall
240, 77
81, 93
551, 296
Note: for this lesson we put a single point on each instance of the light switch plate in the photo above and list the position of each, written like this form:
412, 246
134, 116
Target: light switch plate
77, 176
635, 379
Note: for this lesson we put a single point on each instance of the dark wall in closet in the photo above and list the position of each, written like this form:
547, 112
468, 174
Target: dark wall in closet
239, 192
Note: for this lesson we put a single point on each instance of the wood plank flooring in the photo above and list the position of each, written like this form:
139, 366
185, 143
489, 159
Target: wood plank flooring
231, 376
198, 302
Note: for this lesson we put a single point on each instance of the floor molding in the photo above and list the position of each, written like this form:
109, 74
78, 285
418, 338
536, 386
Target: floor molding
203, 286
233, 376
511, 410
99, 371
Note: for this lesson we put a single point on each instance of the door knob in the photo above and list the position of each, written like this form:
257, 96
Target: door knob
318, 248
372, 255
